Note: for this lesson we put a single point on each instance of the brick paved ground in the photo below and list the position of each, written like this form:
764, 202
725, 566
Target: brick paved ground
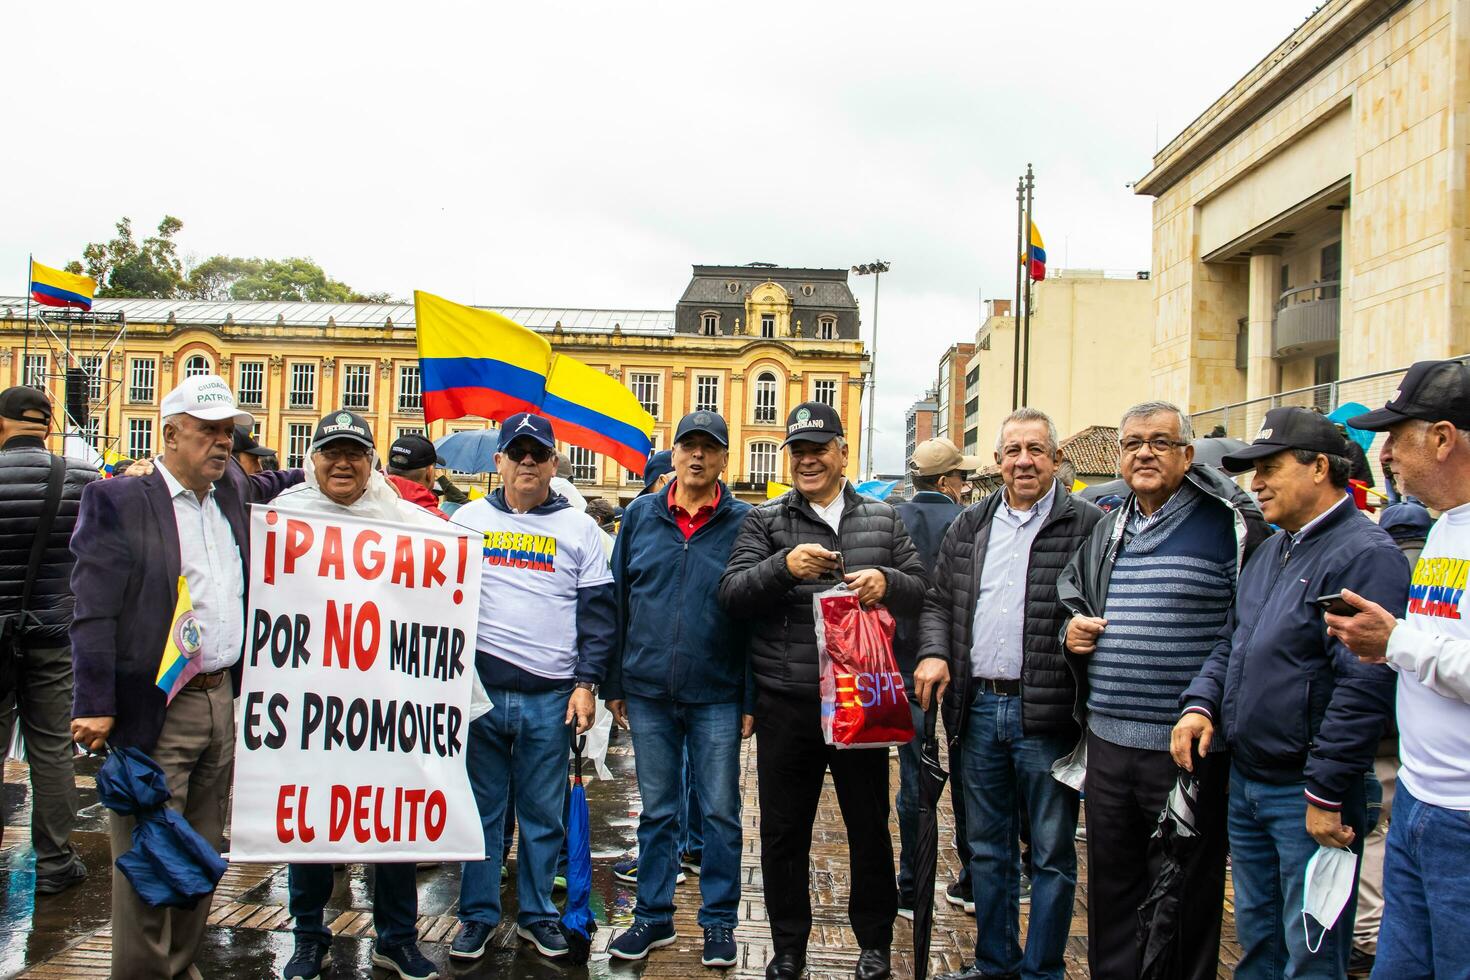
67, 936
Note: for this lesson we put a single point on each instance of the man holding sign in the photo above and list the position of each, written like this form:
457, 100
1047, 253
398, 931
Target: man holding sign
546, 628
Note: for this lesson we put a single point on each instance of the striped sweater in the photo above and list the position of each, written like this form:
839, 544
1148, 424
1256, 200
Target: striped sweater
1171, 588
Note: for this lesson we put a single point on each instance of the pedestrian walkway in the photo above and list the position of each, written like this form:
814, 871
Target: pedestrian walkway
67, 936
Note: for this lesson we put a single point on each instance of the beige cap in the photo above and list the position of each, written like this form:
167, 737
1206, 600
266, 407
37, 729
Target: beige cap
935, 457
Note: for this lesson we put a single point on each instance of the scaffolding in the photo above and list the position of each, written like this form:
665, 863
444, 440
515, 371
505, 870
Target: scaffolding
80, 348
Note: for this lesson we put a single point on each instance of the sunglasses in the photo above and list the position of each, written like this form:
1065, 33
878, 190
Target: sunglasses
539, 454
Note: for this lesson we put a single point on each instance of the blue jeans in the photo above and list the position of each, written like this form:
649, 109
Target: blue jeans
525, 736
1426, 892
395, 902
662, 732
691, 817
1002, 766
1269, 851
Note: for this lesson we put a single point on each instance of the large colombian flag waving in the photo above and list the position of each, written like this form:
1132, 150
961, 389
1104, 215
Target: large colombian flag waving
1034, 258
477, 362
52, 287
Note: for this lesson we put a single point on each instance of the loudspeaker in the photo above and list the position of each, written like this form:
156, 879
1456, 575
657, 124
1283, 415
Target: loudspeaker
76, 396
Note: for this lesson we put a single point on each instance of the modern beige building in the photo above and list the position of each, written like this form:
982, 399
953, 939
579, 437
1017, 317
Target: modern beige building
1312, 224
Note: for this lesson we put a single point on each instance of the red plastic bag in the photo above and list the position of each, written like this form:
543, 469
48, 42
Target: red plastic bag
863, 702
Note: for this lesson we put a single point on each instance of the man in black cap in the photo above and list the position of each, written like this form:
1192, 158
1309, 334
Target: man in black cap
249, 453
39, 498
658, 472
806, 541
411, 470
1301, 715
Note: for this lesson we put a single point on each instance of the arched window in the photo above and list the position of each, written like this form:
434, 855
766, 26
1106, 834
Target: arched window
765, 398
762, 467
826, 328
196, 365
709, 324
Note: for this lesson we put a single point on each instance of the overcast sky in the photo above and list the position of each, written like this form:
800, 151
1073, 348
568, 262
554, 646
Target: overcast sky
587, 154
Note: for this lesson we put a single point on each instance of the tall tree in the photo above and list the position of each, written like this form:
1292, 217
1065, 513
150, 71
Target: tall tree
124, 267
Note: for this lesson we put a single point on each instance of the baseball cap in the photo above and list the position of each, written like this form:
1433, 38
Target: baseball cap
413, 452
659, 463
935, 457
15, 402
528, 425
1435, 391
707, 422
204, 396
1405, 519
1288, 428
812, 422
342, 424
245, 443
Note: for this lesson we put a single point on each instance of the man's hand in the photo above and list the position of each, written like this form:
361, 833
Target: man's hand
870, 585
1193, 727
582, 708
1327, 828
931, 677
747, 726
91, 733
619, 709
1365, 634
1082, 633
810, 561
140, 468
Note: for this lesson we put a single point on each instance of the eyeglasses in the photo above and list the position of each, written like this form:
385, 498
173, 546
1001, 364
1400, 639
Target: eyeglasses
352, 454
539, 454
1160, 446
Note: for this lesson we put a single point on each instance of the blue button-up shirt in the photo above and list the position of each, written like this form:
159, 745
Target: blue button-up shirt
1000, 610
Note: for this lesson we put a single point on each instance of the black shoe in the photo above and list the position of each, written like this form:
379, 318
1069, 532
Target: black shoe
59, 881
960, 897
1360, 963
786, 966
308, 960
873, 964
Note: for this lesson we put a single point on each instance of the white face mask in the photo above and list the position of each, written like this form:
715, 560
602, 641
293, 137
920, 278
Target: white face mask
1329, 885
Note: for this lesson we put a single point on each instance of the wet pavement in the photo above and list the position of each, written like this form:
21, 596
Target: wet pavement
68, 935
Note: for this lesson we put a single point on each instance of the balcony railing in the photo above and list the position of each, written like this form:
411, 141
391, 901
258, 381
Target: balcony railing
1308, 320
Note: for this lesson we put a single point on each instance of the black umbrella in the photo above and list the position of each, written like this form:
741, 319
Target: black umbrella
1158, 916
1210, 450
932, 778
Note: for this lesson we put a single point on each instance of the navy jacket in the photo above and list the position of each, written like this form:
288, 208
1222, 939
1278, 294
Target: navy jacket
126, 581
926, 516
673, 641
1295, 704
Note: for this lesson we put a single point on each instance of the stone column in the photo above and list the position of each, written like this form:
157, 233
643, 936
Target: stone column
1262, 375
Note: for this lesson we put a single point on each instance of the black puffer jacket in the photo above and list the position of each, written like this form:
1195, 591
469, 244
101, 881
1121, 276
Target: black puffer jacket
25, 466
757, 586
1048, 691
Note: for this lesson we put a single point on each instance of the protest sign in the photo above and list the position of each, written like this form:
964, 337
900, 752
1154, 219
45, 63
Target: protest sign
355, 702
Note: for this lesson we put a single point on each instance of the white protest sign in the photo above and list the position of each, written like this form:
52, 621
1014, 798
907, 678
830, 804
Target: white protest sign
354, 713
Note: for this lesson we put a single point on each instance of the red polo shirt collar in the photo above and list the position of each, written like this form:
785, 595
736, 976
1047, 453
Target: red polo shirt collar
689, 523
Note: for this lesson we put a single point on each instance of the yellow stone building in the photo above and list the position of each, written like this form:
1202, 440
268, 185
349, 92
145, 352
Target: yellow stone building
1312, 223
765, 340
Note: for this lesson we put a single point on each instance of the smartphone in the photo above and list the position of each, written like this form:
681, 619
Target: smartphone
1335, 604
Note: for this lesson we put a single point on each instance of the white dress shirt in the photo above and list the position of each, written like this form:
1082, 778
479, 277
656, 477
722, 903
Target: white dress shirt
832, 512
210, 562
996, 650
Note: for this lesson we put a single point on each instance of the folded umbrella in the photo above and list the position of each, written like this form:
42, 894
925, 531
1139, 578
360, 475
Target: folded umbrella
932, 778
577, 923
1158, 916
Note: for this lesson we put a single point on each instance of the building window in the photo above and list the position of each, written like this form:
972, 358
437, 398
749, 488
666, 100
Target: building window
92, 367
410, 390
91, 431
140, 438
826, 328
825, 391
303, 386
409, 430
709, 324
765, 398
762, 468
35, 372
707, 393
584, 464
255, 429
142, 379
251, 389
298, 440
357, 387
645, 389
768, 324
196, 365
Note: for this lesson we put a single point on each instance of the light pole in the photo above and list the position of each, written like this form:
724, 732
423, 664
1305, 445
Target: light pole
876, 270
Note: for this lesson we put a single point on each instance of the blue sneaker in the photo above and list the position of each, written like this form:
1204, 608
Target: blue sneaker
719, 946
691, 862
627, 870
546, 936
406, 961
635, 942
471, 941
308, 960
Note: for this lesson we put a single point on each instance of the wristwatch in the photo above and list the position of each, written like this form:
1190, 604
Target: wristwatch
587, 686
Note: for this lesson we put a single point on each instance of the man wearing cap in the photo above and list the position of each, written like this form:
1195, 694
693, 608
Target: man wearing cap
1301, 715
820, 533
1425, 887
248, 453
658, 472
134, 539
37, 487
547, 622
678, 680
411, 471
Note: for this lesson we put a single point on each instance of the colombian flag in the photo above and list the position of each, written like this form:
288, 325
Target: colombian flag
52, 287
1035, 257
180, 659
477, 362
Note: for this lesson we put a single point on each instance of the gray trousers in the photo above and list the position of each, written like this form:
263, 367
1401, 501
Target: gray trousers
42, 706
196, 751
1370, 875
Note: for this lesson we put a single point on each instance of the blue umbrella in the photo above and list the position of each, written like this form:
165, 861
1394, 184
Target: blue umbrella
577, 923
469, 452
877, 489
1347, 410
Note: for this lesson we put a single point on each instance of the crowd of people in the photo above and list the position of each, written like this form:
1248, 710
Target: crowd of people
1265, 666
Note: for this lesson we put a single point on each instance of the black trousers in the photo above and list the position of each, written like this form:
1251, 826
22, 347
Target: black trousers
1126, 790
791, 763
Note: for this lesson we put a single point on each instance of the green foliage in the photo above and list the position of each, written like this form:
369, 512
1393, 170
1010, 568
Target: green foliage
125, 267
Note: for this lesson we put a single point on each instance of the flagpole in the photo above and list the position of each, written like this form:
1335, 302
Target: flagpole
1016, 313
25, 347
1026, 371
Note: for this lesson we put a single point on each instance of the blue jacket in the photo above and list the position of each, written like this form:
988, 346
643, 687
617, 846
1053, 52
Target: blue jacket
1295, 704
674, 642
926, 516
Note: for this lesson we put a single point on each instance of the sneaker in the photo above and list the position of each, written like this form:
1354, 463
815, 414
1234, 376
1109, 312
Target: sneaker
719, 946
690, 862
559, 884
627, 870
59, 881
634, 942
504, 874
906, 909
406, 961
308, 961
960, 897
546, 936
1025, 890
1360, 963
470, 942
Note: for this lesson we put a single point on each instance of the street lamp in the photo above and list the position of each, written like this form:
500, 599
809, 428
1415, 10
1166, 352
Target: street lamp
876, 270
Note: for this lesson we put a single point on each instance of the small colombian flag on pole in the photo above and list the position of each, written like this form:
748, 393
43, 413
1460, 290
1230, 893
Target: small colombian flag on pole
52, 287
180, 659
1035, 258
